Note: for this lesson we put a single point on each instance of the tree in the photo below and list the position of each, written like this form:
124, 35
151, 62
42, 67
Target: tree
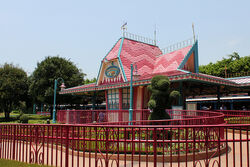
43, 78
88, 81
161, 97
231, 65
13, 88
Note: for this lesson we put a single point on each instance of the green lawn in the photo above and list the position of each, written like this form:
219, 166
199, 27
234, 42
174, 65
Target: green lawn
33, 118
10, 163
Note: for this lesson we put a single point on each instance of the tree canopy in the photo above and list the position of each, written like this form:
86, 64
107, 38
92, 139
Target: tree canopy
13, 88
88, 81
231, 65
43, 78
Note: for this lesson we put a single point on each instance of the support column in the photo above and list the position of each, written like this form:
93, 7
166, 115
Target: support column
106, 99
41, 109
120, 99
218, 97
215, 106
135, 92
180, 102
34, 108
231, 105
94, 101
142, 97
94, 116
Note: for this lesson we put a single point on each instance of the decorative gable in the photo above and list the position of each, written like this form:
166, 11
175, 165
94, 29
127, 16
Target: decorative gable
110, 73
190, 61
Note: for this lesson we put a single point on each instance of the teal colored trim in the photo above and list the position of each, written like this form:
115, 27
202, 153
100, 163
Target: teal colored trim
184, 71
119, 60
184, 61
131, 94
99, 73
196, 57
106, 59
237, 77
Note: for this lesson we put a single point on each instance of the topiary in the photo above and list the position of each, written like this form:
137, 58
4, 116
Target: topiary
24, 118
161, 97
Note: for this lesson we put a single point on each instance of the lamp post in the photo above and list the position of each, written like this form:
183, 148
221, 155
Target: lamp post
131, 92
54, 106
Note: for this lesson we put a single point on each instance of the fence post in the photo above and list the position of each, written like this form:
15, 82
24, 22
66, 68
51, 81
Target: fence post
155, 147
1, 142
14, 142
107, 146
67, 147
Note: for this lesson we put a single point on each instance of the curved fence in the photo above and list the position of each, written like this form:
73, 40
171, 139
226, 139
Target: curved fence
191, 138
90, 116
236, 116
178, 117
126, 145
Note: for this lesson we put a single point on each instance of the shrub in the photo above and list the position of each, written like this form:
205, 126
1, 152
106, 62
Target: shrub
24, 118
16, 112
161, 98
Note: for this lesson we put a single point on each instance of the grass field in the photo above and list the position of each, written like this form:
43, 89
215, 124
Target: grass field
10, 163
33, 118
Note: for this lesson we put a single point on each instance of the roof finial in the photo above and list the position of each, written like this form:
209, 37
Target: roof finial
124, 28
193, 31
155, 36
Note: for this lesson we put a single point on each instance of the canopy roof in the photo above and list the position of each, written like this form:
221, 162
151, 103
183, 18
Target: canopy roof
179, 64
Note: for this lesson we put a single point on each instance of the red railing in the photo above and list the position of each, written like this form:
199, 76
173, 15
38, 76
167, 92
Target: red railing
179, 117
191, 138
42, 113
236, 116
90, 116
126, 145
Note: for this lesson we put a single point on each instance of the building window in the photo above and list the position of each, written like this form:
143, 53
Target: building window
113, 99
125, 98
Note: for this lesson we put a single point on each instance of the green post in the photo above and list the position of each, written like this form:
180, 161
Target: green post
34, 108
42, 109
54, 106
181, 94
131, 94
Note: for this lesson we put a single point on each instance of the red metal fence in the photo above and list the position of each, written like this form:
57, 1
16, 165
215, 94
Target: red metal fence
125, 145
42, 113
181, 117
90, 116
236, 116
191, 138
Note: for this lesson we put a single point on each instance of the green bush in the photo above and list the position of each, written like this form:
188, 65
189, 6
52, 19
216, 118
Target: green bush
16, 112
24, 118
38, 117
161, 98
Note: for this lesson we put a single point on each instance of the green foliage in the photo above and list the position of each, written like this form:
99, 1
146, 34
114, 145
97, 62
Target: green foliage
43, 78
88, 81
161, 97
233, 64
13, 88
24, 118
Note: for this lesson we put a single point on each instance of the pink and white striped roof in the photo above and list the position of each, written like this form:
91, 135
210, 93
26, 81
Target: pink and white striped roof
148, 58
241, 80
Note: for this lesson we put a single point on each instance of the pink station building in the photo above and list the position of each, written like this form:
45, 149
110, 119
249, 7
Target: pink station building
179, 62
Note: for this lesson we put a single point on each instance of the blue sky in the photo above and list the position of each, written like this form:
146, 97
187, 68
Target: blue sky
84, 31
